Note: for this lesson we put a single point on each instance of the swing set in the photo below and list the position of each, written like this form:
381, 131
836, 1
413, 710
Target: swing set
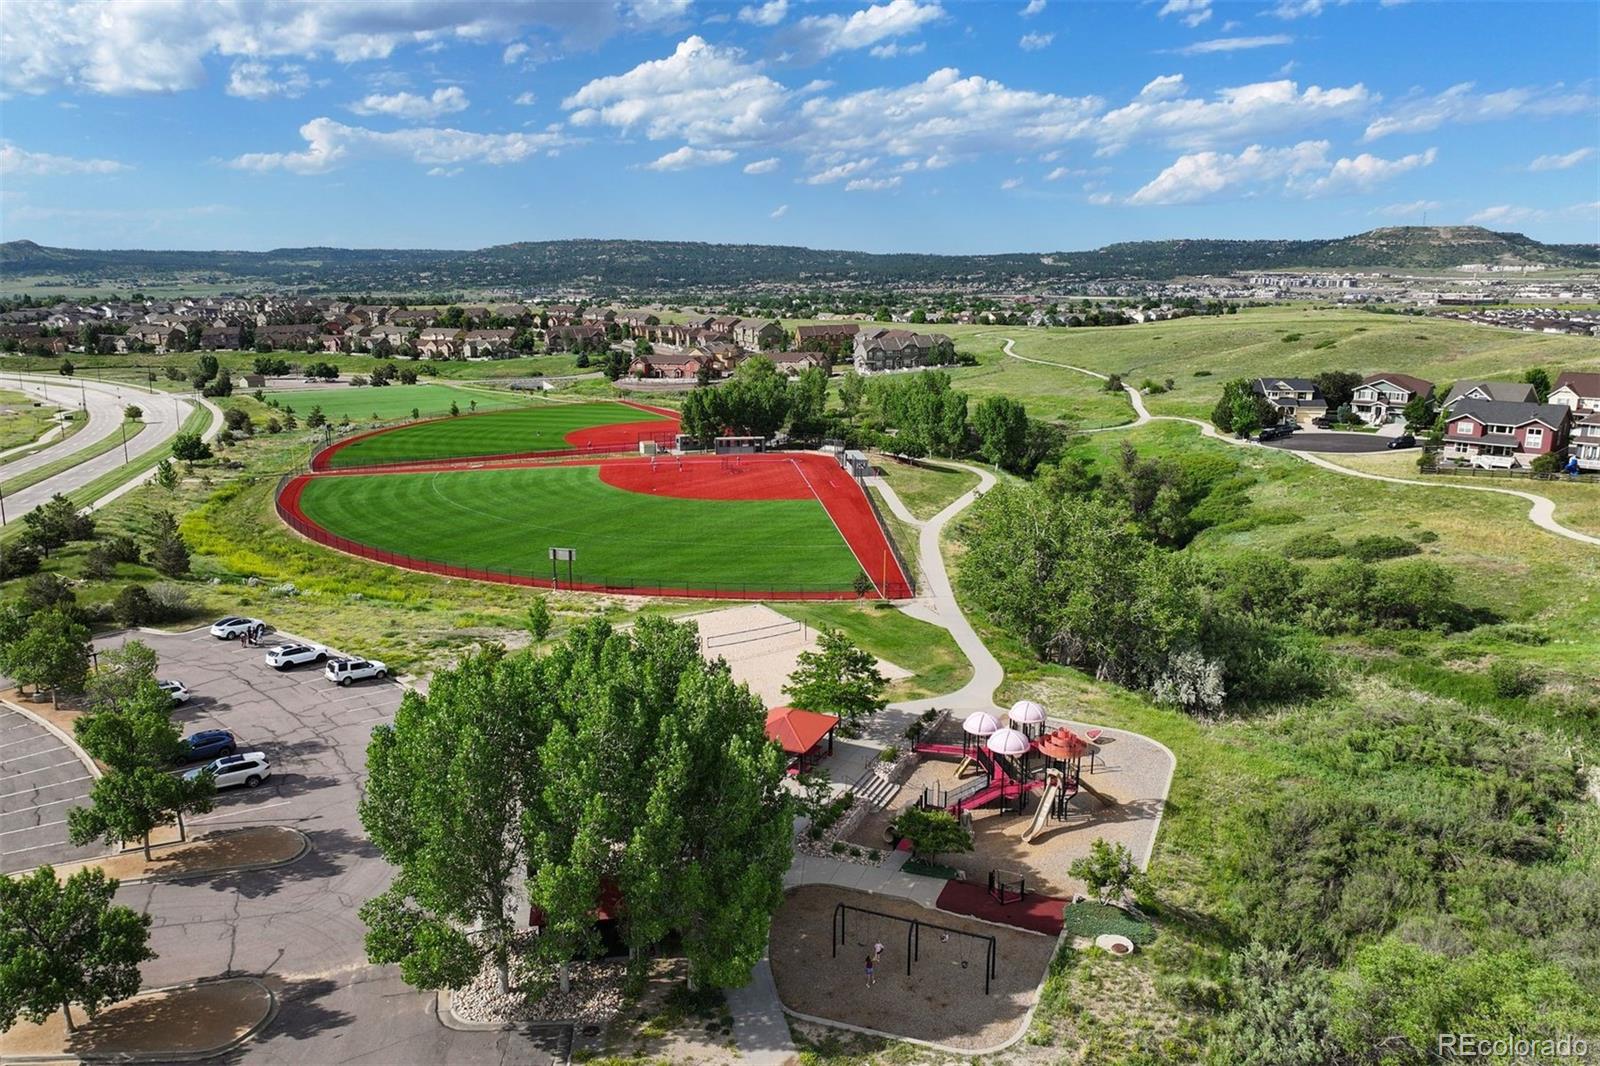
914, 927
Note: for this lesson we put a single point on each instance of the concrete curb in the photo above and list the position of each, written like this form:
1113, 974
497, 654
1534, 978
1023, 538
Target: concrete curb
53, 730
156, 879
168, 1056
444, 1004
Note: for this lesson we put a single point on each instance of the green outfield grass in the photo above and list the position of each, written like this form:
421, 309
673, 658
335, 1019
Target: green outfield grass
393, 401
524, 429
507, 520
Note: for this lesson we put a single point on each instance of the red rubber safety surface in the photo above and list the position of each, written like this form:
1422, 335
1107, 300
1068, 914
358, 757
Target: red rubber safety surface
619, 436
773, 476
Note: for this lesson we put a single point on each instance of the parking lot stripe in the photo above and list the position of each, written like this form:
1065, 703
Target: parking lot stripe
39, 847
30, 740
42, 806
40, 770
20, 791
31, 828
244, 813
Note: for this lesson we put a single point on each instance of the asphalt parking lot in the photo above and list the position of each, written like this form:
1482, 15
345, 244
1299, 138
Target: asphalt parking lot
40, 780
1337, 442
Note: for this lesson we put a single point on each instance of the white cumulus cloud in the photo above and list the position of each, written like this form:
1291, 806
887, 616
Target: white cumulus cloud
762, 166
1190, 12
18, 162
255, 80
1461, 103
411, 106
330, 143
816, 36
685, 158
1301, 169
139, 47
873, 184
1034, 42
1561, 162
768, 14
779, 211
1033, 8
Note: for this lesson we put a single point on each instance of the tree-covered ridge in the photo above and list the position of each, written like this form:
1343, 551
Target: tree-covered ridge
671, 265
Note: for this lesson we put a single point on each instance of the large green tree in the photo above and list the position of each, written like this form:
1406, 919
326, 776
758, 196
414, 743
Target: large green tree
838, 678
126, 804
62, 944
756, 399
120, 673
447, 785
53, 654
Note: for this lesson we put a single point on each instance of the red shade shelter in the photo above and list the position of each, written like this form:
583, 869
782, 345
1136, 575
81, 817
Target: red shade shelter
801, 733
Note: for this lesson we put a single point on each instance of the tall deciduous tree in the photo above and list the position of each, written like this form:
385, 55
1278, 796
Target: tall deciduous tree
128, 804
443, 803
121, 673
53, 654
62, 944
136, 730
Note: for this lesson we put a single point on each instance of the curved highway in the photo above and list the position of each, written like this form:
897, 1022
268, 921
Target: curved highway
163, 417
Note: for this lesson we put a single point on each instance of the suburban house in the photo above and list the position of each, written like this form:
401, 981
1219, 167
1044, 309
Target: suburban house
1584, 445
835, 338
1505, 434
758, 336
575, 338
487, 343
1581, 392
896, 349
410, 319
792, 363
1382, 398
1501, 391
440, 342
222, 338
661, 365
289, 337
156, 337
1294, 399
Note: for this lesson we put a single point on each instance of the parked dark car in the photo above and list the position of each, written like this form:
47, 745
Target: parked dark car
207, 744
1275, 432
1404, 440
1323, 422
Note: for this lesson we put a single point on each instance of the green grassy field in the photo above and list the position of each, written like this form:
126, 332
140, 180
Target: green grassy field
925, 488
506, 519
140, 367
1288, 341
20, 421
526, 429
393, 401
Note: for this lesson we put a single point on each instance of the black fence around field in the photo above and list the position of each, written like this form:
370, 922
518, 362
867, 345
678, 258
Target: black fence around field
1511, 475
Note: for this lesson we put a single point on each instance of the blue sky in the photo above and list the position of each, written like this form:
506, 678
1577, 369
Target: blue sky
901, 125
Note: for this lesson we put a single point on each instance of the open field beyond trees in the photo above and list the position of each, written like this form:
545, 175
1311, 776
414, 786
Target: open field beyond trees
545, 427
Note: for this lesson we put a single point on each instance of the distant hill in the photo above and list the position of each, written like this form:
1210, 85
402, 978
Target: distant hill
677, 265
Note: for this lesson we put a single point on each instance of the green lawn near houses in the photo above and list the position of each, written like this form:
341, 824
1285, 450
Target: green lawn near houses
390, 402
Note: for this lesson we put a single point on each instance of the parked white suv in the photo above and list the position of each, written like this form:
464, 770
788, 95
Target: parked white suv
345, 671
176, 690
286, 655
249, 770
233, 627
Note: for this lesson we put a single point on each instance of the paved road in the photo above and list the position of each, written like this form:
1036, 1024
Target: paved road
1332, 442
40, 780
163, 416
105, 415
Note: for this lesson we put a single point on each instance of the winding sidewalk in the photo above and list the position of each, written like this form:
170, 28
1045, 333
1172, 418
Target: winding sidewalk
1541, 509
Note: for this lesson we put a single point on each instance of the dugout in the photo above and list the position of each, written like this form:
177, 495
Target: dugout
855, 463
739, 445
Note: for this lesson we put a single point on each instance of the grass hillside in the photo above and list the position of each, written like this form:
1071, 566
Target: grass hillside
1284, 341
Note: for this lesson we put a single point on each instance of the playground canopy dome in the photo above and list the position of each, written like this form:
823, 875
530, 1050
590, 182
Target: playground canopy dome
980, 724
1009, 742
1026, 712
1063, 745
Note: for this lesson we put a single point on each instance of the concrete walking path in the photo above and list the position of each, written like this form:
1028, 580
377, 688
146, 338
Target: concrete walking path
1541, 509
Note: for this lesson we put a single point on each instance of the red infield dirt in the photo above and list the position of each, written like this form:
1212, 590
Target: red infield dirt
620, 436
774, 476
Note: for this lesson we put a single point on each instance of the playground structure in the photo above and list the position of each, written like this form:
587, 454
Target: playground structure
1014, 760
914, 927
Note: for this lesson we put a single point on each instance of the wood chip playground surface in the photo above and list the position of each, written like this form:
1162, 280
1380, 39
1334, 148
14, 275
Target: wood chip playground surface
942, 1001
477, 497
